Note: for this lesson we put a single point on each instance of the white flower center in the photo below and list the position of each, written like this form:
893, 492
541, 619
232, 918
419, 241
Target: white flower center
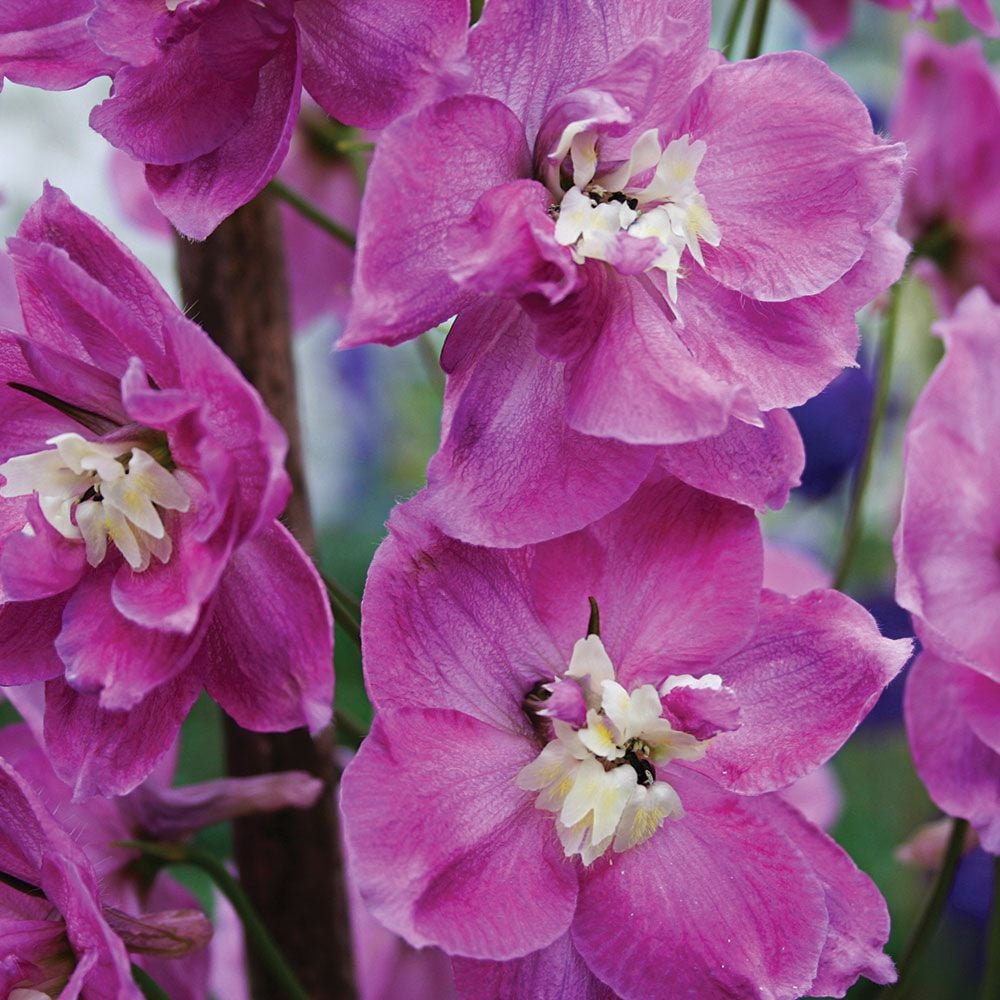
652, 196
600, 779
96, 491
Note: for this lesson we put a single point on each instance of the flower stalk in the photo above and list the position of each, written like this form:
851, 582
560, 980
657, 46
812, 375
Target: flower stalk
852, 525
309, 211
931, 915
234, 284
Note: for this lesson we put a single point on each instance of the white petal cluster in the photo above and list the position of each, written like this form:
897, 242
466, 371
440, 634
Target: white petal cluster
586, 776
96, 491
655, 198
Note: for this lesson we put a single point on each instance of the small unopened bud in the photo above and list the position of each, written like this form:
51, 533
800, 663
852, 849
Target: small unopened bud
166, 933
926, 848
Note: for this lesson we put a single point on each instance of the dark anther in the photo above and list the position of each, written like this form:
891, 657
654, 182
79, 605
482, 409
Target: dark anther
632, 203
87, 418
617, 196
645, 771
594, 622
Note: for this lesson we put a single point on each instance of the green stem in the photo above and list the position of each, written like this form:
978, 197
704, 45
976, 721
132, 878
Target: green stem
309, 211
259, 941
343, 595
852, 525
349, 726
430, 359
733, 26
345, 610
754, 44
151, 990
931, 916
991, 980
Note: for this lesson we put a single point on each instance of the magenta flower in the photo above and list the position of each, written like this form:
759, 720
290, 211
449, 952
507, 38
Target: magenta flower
206, 92
830, 20
628, 268
949, 576
57, 934
542, 851
140, 558
153, 811
948, 111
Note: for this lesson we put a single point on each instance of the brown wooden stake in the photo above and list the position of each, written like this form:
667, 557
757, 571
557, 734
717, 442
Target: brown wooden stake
290, 862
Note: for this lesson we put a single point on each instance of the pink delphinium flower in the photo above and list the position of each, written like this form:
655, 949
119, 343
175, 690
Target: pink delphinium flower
559, 859
949, 573
206, 92
153, 811
629, 269
948, 111
830, 20
140, 558
58, 935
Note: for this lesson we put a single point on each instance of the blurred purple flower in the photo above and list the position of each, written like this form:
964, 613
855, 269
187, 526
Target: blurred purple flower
947, 549
58, 933
948, 111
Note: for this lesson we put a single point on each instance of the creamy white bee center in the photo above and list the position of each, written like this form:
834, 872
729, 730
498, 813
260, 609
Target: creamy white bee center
652, 195
600, 779
97, 491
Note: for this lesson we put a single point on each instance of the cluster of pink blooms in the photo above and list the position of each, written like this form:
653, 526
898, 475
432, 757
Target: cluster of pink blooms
601, 721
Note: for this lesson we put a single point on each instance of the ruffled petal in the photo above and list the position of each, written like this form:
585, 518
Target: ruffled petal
808, 676
794, 231
366, 65
444, 846
196, 195
268, 655
426, 176
510, 470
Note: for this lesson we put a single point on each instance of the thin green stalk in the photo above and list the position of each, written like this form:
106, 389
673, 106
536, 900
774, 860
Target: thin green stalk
931, 916
349, 726
343, 595
430, 359
309, 211
733, 26
991, 980
757, 26
151, 990
258, 939
852, 525
345, 610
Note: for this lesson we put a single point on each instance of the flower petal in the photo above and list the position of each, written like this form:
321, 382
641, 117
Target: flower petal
756, 466
268, 654
427, 174
722, 887
366, 65
444, 846
808, 676
510, 471
791, 231
197, 194
960, 771
99, 752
